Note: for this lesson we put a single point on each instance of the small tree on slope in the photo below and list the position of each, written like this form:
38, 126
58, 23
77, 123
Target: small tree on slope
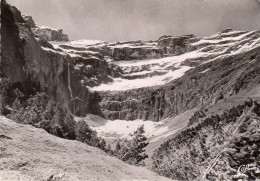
139, 143
133, 151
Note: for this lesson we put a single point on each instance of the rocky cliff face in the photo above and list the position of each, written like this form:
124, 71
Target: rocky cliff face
171, 45
221, 74
91, 63
46, 33
194, 89
50, 34
95, 62
135, 50
31, 68
29, 20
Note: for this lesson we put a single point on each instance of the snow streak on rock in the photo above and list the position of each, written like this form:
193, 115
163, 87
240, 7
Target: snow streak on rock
120, 84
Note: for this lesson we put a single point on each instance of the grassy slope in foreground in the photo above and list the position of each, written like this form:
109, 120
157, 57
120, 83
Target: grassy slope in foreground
29, 153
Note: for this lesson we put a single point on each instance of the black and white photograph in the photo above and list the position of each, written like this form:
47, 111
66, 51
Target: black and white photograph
130, 90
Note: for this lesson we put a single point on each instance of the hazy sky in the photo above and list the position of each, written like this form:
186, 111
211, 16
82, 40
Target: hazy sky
117, 20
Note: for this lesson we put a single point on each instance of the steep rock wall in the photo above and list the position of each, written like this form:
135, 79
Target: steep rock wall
136, 53
23, 60
225, 78
46, 33
90, 63
171, 45
50, 34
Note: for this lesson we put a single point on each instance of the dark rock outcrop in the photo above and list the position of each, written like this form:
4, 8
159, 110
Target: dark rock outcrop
134, 50
24, 62
226, 30
29, 20
136, 53
90, 63
171, 45
45, 33
50, 34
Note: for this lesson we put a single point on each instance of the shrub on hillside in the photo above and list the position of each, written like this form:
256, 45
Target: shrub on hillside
44, 112
132, 152
86, 135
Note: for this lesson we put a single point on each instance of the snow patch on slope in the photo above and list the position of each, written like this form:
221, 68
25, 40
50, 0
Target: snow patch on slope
120, 84
53, 51
162, 61
83, 43
204, 71
46, 27
124, 128
225, 39
76, 43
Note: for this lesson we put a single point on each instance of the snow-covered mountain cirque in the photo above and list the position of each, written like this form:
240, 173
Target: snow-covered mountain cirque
149, 72
157, 69
124, 66
198, 99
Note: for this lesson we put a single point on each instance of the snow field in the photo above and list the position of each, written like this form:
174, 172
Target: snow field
124, 128
120, 84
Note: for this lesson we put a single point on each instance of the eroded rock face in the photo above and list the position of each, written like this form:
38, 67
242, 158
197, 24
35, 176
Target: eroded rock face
164, 46
136, 53
92, 64
99, 62
221, 67
223, 79
171, 45
12, 63
145, 104
50, 34
29, 20
46, 33
24, 60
